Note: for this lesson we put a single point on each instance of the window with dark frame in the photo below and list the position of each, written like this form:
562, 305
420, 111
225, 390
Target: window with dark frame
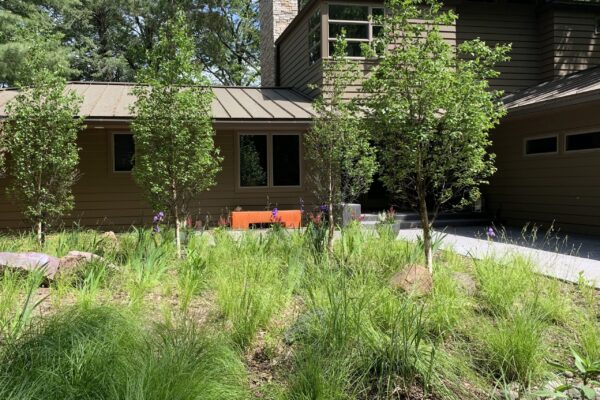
582, 141
269, 160
541, 145
123, 152
358, 23
253, 160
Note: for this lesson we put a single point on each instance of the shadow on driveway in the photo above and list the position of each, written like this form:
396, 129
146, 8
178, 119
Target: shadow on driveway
579, 245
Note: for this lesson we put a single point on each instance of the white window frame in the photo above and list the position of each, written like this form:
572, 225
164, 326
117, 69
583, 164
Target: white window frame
270, 186
112, 151
579, 132
369, 23
525, 140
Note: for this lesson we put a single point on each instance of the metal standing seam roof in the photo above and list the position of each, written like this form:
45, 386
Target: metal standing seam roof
582, 84
113, 100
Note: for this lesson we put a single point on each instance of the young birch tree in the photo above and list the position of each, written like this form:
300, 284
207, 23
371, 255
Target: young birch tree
175, 155
431, 108
39, 134
337, 146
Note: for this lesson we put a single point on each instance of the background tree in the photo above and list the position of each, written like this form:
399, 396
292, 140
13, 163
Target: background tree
175, 158
40, 134
17, 19
108, 40
431, 109
342, 161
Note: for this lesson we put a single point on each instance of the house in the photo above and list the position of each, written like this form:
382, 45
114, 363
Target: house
269, 121
547, 146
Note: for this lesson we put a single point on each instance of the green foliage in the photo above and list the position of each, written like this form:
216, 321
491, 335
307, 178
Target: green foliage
430, 108
103, 352
18, 20
175, 158
315, 327
514, 347
40, 134
337, 145
585, 371
253, 285
105, 40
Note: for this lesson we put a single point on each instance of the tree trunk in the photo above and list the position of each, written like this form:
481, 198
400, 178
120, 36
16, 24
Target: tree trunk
177, 232
41, 237
426, 232
331, 220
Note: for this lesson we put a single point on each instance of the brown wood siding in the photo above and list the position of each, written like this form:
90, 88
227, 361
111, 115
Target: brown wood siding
294, 68
502, 24
113, 200
563, 188
574, 43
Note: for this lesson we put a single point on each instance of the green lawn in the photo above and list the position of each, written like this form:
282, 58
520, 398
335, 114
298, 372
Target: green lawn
272, 317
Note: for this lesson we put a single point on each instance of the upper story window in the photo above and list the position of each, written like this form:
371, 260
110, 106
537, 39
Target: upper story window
357, 22
314, 38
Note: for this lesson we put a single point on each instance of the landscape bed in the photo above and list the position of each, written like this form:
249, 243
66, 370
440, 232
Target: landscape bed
273, 316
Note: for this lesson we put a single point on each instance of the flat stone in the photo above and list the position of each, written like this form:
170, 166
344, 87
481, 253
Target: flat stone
413, 279
31, 261
50, 266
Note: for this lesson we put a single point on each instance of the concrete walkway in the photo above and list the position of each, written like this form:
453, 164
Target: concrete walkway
566, 267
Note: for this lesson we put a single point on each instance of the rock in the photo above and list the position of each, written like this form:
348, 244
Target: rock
573, 394
414, 279
465, 282
50, 266
31, 261
569, 374
74, 260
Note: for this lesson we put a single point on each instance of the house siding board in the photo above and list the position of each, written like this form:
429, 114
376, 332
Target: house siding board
501, 24
114, 201
570, 43
294, 68
561, 188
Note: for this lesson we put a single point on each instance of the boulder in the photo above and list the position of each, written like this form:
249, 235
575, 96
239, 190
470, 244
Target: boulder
50, 266
414, 279
30, 261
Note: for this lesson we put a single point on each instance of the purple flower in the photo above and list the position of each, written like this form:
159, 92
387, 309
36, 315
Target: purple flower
156, 220
323, 208
491, 233
275, 212
301, 205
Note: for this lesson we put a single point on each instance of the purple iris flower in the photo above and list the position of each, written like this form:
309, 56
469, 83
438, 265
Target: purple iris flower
323, 208
491, 233
301, 205
156, 220
275, 212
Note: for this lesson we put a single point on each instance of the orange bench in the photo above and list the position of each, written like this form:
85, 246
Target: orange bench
287, 218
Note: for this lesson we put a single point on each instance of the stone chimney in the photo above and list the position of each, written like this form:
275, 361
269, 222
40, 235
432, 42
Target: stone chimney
275, 16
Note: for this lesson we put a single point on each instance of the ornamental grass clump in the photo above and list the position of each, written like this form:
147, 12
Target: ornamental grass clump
252, 283
105, 353
514, 348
